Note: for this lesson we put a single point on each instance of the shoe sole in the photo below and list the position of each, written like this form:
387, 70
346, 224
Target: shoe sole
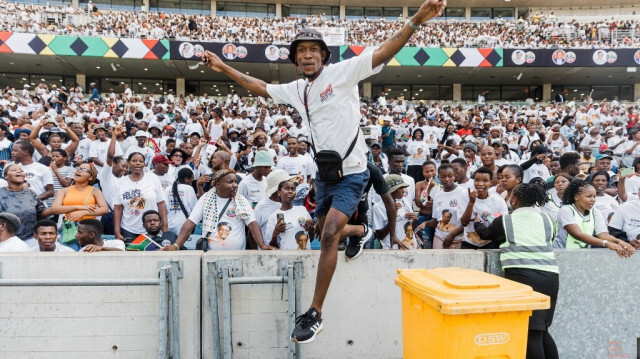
310, 339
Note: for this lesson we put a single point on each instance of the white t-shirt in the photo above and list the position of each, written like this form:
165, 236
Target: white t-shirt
410, 192
418, 153
147, 152
14, 244
333, 92
526, 140
108, 184
175, 216
632, 186
606, 205
252, 189
3, 183
263, 211
295, 165
487, 210
137, 198
536, 170
59, 248
626, 219
380, 220
110, 243
99, 150
230, 233
294, 219
167, 179
37, 176
448, 201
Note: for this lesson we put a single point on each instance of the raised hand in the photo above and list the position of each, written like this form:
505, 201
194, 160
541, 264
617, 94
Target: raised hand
212, 61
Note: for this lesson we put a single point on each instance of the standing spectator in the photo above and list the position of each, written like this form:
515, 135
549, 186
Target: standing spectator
291, 226
137, 193
37, 175
404, 215
22, 202
271, 202
95, 95
181, 199
254, 186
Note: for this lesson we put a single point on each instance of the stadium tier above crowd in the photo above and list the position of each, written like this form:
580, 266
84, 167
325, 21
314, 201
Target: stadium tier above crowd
537, 31
241, 172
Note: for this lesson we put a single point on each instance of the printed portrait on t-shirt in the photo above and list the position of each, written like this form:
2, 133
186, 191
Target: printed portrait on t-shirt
223, 229
302, 238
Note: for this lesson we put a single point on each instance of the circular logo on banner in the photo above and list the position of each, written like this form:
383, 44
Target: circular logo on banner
571, 57
186, 50
636, 57
530, 57
229, 51
271, 52
283, 53
198, 50
600, 57
241, 51
518, 57
611, 57
559, 57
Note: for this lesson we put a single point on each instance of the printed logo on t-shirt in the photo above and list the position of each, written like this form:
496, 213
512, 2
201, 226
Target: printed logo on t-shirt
327, 94
301, 221
136, 202
453, 203
231, 213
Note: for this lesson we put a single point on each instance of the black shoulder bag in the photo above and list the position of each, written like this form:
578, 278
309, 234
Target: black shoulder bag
329, 162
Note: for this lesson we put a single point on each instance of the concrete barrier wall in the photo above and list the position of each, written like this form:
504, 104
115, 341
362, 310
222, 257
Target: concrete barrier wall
362, 313
598, 309
93, 322
597, 314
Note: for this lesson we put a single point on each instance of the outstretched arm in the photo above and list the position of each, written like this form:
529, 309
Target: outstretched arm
256, 86
391, 46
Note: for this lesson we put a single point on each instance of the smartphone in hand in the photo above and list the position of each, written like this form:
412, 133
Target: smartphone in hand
626, 172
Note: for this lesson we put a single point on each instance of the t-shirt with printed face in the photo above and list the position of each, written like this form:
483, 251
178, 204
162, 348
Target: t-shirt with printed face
136, 198
447, 201
37, 176
334, 107
486, 210
380, 221
230, 231
295, 237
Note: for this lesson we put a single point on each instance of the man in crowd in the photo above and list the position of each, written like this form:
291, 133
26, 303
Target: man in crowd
9, 224
46, 233
89, 237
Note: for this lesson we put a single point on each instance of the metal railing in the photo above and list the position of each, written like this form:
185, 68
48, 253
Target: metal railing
168, 308
224, 273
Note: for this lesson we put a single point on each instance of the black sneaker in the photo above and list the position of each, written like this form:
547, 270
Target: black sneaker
307, 326
356, 245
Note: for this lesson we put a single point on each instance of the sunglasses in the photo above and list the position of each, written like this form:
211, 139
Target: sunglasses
82, 170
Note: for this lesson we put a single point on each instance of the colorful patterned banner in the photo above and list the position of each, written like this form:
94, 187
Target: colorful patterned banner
573, 58
113, 47
436, 56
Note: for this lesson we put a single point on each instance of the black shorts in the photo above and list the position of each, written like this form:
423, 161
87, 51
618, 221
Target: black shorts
543, 282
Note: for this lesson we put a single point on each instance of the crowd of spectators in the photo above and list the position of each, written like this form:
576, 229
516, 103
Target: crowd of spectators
240, 170
537, 31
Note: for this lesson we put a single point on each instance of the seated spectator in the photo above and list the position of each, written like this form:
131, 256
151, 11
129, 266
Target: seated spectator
46, 233
9, 242
152, 223
89, 237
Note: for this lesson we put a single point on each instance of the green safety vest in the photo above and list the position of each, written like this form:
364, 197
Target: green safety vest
528, 245
587, 227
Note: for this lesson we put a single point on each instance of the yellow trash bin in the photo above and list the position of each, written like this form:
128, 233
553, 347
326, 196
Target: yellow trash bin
454, 313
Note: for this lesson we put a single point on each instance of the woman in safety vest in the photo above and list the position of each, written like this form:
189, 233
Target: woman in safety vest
581, 225
527, 257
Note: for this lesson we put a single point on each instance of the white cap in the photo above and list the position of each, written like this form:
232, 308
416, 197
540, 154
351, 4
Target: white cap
140, 133
275, 178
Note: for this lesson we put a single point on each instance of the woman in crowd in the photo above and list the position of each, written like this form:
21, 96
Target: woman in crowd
417, 151
290, 223
605, 203
425, 190
137, 193
527, 257
182, 198
18, 199
79, 201
511, 177
225, 215
578, 221
554, 203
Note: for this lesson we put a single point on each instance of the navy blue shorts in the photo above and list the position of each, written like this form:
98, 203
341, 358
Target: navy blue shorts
343, 196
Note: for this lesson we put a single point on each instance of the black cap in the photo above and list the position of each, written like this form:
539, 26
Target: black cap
308, 35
